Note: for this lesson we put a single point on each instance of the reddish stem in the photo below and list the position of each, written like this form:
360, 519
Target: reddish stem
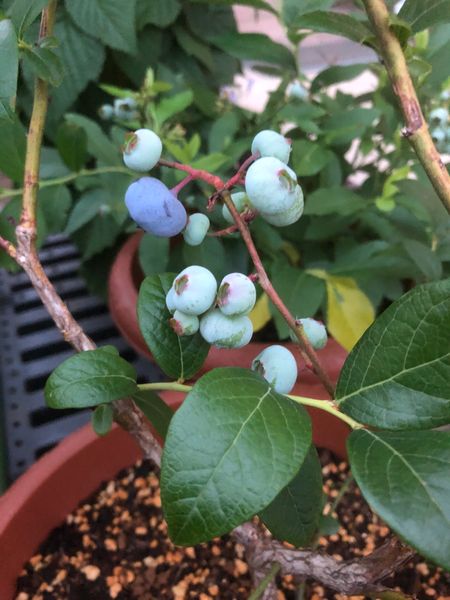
209, 178
237, 177
247, 216
181, 185
267, 286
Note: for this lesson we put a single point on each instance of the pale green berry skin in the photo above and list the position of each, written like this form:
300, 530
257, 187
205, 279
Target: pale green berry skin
290, 215
241, 202
278, 366
170, 300
184, 324
196, 229
445, 95
271, 143
225, 332
144, 155
106, 112
124, 109
315, 331
439, 116
236, 295
271, 185
195, 290
298, 91
438, 135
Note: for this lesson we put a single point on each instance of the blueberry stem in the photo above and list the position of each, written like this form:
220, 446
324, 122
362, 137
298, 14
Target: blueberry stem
173, 386
328, 407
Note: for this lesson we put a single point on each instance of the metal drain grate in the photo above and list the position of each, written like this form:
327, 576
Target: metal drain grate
31, 347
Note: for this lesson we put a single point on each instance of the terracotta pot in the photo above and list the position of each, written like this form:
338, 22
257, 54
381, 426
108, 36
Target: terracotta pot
124, 281
54, 486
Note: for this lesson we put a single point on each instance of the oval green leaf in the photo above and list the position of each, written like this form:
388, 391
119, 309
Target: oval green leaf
232, 446
155, 409
90, 378
397, 376
102, 419
178, 357
404, 477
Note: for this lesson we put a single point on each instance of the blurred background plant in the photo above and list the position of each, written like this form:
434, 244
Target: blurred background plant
373, 226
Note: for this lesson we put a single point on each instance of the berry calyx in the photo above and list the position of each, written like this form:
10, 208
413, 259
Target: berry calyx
142, 150
271, 143
236, 295
195, 290
154, 208
225, 332
278, 366
184, 324
196, 229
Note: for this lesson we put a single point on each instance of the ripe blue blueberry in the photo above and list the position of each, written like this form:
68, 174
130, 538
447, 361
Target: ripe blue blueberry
271, 143
184, 324
195, 290
196, 229
142, 150
226, 332
288, 216
278, 366
271, 186
439, 116
106, 112
125, 109
236, 295
315, 331
241, 202
154, 208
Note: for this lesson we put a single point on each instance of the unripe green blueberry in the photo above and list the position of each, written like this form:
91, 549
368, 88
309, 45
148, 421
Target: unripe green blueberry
271, 143
439, 116
438, 135
236, 295
278, 366
445, 95
288, 216
184, 324
195, 290
196, 229
241, 202
170, 300
297, 90
142, 150
106, 112
271, 185
225, 332
315, 331
125, 109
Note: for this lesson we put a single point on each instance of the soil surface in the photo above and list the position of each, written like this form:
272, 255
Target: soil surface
115, 545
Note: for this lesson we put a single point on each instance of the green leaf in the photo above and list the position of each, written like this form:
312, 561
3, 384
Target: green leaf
336, 74
261, 4
153, 254
98, 234
12, 149
71, 141
293, 9
112, 21
336, 23
45, 63
397, 375
9, 68
294, 514
155, 409
301, 293
24, 12
193, 46
172, 105
178, 357
342, 127
98, 144
161, 14
340, 200
90, 378
86, 208
328, 525
210, 254
102, 419
422, 14
308, 158
255, 46
55, 203
404, 477
231, 429
423, 256
222, 132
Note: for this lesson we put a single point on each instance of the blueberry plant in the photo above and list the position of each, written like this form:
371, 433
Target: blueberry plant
238, 454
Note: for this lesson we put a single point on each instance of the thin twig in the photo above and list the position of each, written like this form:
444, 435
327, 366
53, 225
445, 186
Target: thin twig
416, 126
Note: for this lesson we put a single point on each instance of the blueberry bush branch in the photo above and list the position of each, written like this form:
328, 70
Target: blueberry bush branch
416, 126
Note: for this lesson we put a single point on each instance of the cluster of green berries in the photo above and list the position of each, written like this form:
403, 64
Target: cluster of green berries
124, 109
218, 312
440, 127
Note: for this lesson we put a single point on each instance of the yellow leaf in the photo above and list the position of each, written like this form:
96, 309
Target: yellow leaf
291, 252
349, 310
260, 314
